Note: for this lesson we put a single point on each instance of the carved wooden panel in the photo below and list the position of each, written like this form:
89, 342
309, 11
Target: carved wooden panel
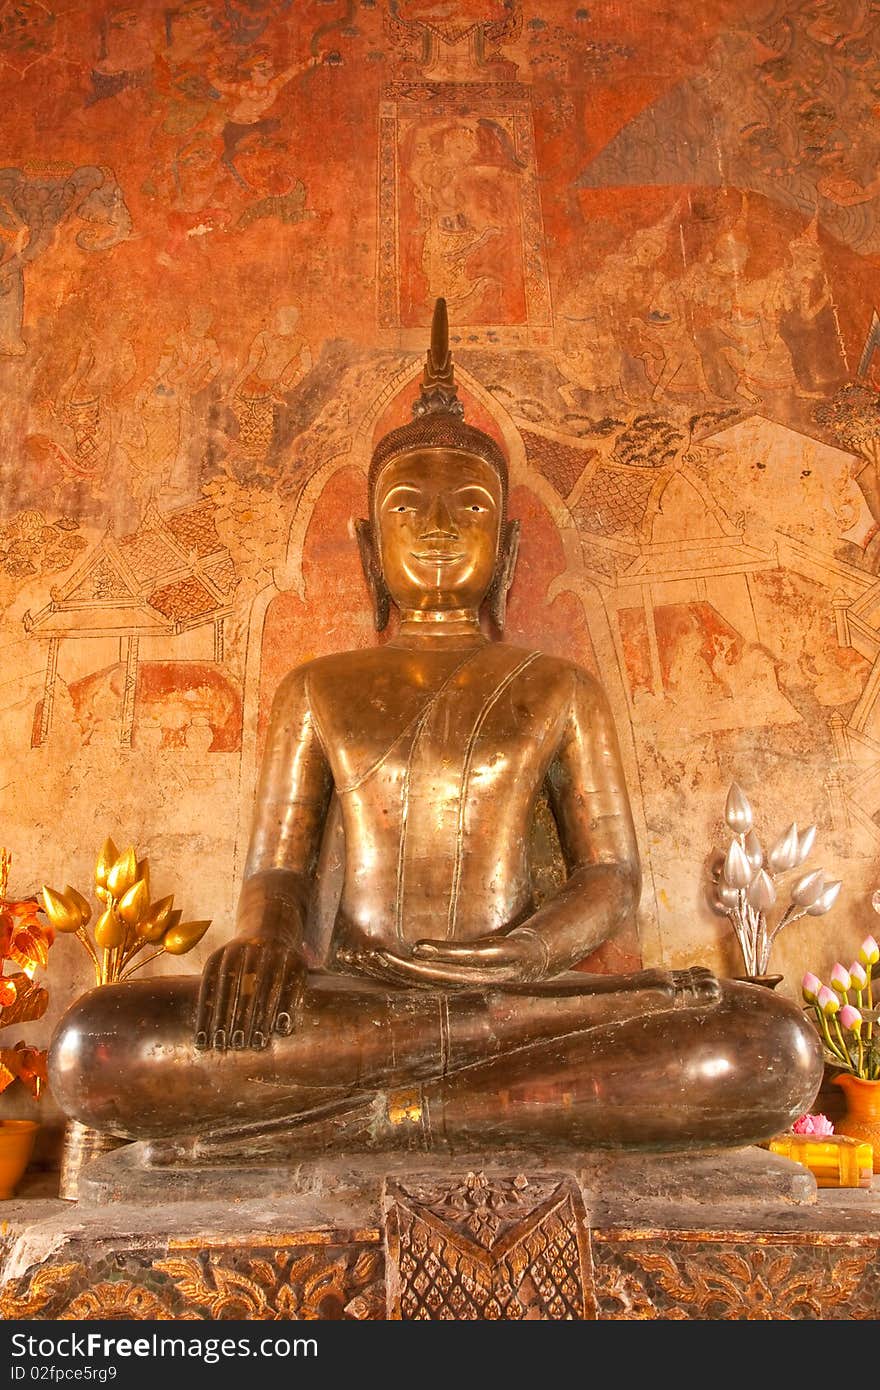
515, 1248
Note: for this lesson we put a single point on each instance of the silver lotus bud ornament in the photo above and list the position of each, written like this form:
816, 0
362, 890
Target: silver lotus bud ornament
761, 894
784, 854
738, 810
745, 884
826, 899
806, 840
716, 866
808, 889
737, 869
753, 850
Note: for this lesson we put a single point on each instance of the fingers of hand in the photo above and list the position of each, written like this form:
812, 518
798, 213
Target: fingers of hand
207, 991
291, 983
226, 1021
443, 974
249, 1027
466, 952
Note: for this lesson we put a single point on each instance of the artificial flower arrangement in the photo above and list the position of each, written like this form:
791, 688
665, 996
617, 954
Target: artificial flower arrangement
845, 1014
745, 882
129, 924
24, 942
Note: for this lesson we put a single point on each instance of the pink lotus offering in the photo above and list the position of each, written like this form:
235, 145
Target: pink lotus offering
815, 1125
845, 1012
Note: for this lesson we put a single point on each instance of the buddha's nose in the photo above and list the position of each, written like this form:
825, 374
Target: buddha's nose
438, 521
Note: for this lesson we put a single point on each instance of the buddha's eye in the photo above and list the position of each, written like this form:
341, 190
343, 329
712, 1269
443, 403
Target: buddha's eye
402, 508
475, 507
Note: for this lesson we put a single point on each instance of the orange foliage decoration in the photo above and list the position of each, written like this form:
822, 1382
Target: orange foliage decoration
25, 942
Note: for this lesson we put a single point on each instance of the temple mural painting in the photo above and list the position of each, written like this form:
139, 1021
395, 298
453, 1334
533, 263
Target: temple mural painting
222, 230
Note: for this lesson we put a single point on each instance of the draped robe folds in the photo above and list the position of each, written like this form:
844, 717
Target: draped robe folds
435, 789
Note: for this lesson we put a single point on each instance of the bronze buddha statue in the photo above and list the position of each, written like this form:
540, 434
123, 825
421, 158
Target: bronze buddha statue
448, 1014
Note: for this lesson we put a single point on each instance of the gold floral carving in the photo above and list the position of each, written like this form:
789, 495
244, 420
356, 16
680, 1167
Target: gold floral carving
119, 1299
304, 1286
484, 1249
758, 1285
28, 1296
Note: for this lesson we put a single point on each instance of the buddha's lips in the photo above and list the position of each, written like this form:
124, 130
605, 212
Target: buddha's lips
438, 557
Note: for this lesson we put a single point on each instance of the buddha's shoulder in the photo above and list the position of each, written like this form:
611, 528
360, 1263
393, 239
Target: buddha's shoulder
556, 675
546, 663
337, 666
365, 665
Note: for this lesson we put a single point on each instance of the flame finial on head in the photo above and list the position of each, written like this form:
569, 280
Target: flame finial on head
438, 391
439, 414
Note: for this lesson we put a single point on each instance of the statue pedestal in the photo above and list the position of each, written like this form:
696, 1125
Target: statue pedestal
738, 1234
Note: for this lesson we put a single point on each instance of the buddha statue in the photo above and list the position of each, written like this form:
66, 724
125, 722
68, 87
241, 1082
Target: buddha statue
449, 1013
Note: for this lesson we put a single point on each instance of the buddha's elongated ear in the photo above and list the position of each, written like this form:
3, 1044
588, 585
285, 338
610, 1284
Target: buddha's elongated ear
496, 598
379, 594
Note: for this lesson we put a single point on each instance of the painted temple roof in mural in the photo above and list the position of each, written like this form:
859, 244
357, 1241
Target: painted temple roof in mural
619, 508
171, 574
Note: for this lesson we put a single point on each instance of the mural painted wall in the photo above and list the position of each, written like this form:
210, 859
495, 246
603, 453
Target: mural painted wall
222, 227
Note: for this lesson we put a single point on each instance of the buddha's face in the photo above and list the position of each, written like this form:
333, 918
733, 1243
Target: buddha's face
437, 515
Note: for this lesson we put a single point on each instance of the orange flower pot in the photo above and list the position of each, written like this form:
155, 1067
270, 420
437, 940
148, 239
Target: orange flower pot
16, 1146
862, 1117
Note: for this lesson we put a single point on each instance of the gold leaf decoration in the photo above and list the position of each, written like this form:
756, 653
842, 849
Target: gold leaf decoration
26, 1297
31, 1001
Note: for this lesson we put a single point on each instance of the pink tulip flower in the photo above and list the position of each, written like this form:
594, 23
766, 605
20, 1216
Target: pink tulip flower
869, 951
810, 986
840, 979
828, 1001
858, 975
850, 1019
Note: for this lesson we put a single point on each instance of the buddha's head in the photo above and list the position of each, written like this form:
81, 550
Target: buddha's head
438, 539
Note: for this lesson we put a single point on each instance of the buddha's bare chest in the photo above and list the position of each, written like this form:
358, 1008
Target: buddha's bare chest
487, 732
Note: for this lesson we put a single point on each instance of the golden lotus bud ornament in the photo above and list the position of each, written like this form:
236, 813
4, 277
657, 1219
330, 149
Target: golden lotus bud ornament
180, 939
143, 873
157, 919
106, 859
128, 924
63, 913
82, 904
134, 903
109, 930
123, 874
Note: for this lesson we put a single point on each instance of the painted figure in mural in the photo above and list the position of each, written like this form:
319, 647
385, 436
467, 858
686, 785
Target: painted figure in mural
447, 1013
83, 411
253, 95
166, 408
13, 239
601, 308
278, 359
32, 209
459, 170
126, 52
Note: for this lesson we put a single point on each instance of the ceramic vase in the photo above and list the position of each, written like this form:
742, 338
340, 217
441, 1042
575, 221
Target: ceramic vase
16, 1146
861, 1119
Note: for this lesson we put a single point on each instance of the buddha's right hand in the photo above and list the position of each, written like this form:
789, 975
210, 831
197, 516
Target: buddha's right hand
251, 989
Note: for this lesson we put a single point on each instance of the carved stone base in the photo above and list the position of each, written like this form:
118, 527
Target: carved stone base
712, 1236
132, 1174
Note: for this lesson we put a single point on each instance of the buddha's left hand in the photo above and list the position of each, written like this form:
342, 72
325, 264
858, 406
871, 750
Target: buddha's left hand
518, 958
